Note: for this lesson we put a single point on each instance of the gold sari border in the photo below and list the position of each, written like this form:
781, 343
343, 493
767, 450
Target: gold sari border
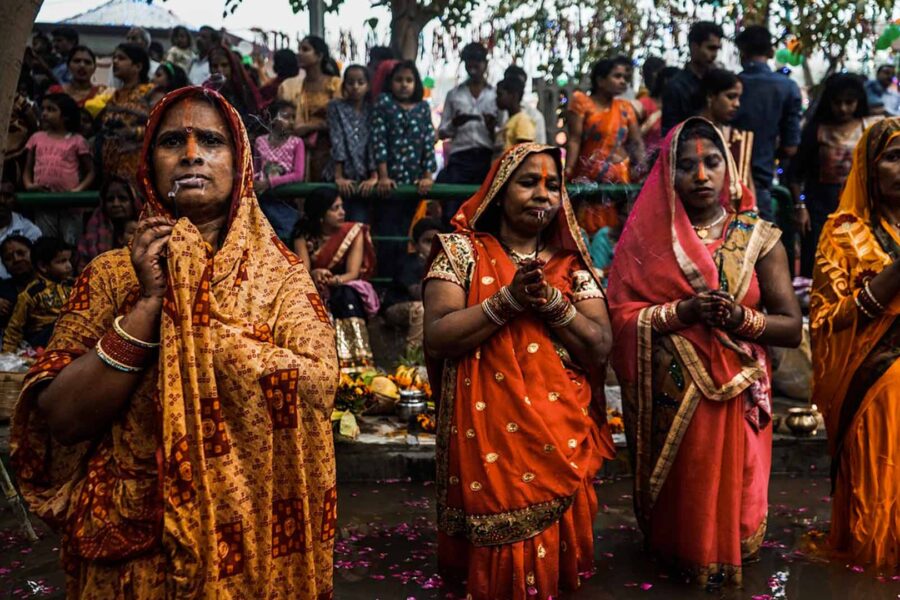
345, 245
506, 527
643, 456
669, 451
745, 378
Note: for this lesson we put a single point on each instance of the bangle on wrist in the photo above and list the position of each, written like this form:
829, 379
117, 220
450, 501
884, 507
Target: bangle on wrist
799, 205
558, 312
501, 307
664, 318
752, 325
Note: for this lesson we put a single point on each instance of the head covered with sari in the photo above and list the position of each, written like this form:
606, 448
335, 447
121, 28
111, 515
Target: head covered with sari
659, 259
514, 399
856, 244
243, 384
100, 233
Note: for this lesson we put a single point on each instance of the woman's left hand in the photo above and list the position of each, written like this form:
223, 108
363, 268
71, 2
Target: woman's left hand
721, 311
424, 185
537, 290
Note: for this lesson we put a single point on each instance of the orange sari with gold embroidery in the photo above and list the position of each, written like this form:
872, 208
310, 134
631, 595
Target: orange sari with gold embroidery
856, 362
522, 428
217, 479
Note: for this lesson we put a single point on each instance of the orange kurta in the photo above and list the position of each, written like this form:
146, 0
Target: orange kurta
217, 480
856, 380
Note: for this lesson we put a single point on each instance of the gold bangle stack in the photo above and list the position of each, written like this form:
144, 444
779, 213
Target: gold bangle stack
117, 326
867, 303
501, 307
665, 318
752, 326
558, 312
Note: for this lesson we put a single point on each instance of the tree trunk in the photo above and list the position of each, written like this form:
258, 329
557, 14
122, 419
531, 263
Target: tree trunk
15, 30
408, 19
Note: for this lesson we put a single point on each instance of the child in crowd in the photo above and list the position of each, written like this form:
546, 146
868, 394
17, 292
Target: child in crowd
403, 300
167, 78
280, 159
403, 144
38, 307
519, 127
59, 160
352, 163
182, 52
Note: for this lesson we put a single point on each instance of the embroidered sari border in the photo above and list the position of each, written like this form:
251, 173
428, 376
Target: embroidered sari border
669, 451
643, 456
506, 527
740, 382
345, 245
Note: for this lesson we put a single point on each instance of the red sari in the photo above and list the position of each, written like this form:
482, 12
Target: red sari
522, 428
697, 402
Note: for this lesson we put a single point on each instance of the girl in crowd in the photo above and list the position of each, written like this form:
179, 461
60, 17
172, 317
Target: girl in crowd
106, 228
403, 146
352, 165
124, 112
82, 63
168, 78
517, 316
59, 160
722, 90
181, 53
280, 158
693, 272
856, 346
604, 138
341, 258
824, 157
320, 86
228, 76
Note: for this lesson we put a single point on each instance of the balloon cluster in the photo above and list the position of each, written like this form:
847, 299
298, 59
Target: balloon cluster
790, 55
889, 38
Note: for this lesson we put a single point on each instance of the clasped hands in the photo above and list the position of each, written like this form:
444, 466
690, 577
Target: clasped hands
713, 308
529, 287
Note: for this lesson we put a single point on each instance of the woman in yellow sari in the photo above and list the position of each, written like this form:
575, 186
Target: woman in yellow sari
176, 432
856, 346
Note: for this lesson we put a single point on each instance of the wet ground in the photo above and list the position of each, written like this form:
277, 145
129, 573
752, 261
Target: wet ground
386, 550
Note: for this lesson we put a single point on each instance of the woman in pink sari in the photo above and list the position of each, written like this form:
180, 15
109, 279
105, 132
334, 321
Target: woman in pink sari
694, 270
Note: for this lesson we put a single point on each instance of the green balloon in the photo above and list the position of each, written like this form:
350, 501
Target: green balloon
883, 42
428, 82
562, 80
795, 60
893, 31
783, 56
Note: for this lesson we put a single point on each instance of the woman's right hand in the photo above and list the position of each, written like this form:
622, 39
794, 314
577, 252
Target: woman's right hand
321, 277
528, 287
346, 187
385, 186
148, 254
366, 187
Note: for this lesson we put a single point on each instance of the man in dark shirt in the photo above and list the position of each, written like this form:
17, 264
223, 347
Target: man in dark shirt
770, 108
682, 98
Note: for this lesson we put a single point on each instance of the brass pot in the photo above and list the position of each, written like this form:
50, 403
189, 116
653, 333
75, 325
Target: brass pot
802, 421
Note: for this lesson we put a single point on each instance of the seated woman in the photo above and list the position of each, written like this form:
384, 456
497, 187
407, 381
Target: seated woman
341, 258
515, 313
856, 340
176, 431
106, 229
694, 270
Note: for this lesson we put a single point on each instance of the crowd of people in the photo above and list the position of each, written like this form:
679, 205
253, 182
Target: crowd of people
511, 305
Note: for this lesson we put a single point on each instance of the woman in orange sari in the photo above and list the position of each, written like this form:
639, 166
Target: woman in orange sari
694, 269
176, 432
341, 258
515, 311
856, 345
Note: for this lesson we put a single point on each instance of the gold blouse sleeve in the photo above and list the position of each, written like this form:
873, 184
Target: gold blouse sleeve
442, 269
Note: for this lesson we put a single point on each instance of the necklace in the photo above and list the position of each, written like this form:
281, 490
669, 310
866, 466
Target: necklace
703, 230
519, 257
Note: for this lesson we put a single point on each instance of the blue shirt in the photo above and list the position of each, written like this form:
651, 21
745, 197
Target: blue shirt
770, 108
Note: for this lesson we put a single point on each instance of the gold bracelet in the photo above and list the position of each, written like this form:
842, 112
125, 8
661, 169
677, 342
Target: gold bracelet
117, 327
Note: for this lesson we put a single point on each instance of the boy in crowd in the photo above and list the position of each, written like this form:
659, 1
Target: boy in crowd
519, 127
38, 307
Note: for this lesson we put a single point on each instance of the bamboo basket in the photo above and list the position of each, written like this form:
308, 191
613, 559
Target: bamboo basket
10, 387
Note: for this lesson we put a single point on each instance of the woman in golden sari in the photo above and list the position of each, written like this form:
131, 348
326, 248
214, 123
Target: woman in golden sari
693, 272
516, 315
341, 258
176, 432
856, 346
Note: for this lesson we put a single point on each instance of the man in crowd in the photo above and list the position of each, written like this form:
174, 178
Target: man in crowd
207, 39
64, 39
540, 124
469, 121
770, 107
142, 38
881, 97
682, 98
